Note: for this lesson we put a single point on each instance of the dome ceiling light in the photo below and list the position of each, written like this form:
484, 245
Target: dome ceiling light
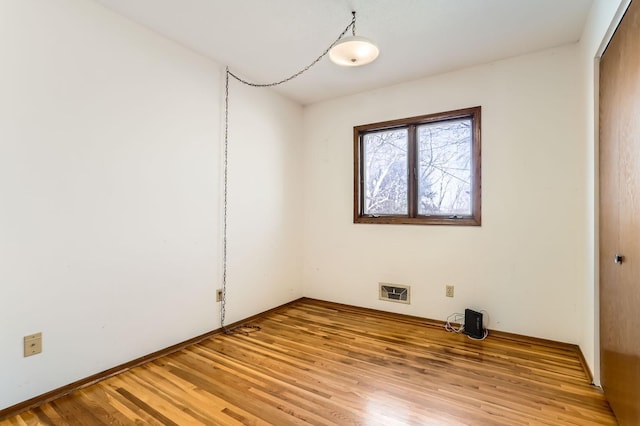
353, 51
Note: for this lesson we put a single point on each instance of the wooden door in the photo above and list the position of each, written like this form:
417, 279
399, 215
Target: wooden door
620, 219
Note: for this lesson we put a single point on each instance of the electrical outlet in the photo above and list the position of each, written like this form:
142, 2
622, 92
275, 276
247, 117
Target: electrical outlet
32, 344
449, 291
219, 295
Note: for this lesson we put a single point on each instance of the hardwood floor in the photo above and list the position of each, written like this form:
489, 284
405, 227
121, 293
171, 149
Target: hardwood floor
324, 364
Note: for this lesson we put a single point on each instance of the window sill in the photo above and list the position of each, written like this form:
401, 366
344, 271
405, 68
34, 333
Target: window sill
422, 220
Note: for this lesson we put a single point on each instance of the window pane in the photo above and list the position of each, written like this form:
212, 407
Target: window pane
444, 168
385, 157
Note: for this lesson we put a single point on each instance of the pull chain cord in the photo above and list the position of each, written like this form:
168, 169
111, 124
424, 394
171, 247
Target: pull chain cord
245, 328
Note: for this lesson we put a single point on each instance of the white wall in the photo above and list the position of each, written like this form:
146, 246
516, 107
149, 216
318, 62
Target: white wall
602, 21
110, 189
527, 264
265, 222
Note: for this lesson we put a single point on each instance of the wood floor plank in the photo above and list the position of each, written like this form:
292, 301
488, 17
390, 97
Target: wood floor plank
317, 363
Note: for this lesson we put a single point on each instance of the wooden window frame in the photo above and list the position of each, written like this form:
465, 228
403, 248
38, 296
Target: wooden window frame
412, 218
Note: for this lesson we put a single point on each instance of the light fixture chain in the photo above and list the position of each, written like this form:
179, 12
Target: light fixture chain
223, 299
352, 24
243, 328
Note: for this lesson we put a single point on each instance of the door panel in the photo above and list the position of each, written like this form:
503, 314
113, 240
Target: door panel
620, 219
609, 225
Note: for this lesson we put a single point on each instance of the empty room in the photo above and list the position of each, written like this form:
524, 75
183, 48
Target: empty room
321, 212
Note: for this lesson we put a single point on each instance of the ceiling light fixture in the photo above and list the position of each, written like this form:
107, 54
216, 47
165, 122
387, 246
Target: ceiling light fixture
353, 51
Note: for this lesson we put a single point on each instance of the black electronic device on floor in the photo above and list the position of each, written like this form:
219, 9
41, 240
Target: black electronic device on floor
473, 324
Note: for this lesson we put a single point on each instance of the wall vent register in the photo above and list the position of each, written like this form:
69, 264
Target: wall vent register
395, 293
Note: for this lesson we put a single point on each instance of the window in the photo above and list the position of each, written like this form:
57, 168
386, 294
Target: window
419, 170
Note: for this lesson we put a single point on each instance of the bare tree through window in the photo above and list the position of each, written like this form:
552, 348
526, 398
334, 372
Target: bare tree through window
420, 170
444, 159
386, 156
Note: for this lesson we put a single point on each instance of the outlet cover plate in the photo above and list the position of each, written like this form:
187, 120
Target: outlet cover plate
449, 291
32, 344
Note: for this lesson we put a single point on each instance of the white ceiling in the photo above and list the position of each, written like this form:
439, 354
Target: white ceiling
267, 40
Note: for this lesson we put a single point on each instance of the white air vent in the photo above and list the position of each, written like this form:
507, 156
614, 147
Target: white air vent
395, 293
